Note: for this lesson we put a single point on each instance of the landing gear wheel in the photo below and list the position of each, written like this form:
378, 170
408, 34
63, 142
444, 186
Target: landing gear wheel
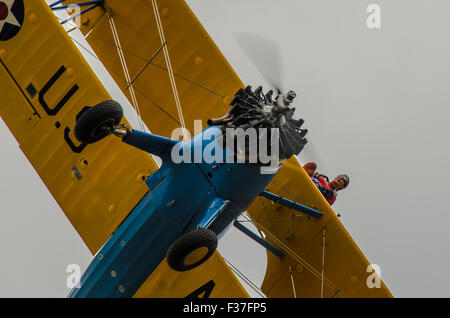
98, 121
191, 249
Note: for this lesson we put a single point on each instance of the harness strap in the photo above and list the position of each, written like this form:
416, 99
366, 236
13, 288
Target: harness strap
327, 193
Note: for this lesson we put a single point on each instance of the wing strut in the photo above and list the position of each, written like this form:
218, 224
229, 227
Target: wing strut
257, 239
290, 204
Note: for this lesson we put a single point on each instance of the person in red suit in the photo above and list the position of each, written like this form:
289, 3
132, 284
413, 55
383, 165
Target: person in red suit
328, 188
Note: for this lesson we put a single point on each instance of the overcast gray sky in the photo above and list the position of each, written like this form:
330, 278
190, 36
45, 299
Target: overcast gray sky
376, 103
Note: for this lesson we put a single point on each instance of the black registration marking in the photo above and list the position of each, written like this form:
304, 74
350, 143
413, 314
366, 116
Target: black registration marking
205, 290
63, 101
53, 111
76, 149
31, 90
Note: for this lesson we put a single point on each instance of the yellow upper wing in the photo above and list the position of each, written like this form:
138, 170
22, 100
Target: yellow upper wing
204, 79
45, 83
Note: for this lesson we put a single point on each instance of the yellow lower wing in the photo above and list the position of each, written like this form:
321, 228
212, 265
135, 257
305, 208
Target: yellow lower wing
213, 279
45, 83
321, 259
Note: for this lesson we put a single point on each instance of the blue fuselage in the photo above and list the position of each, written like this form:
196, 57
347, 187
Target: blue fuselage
181, 197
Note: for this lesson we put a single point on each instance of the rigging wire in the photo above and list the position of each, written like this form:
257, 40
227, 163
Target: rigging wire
146, 65
245, 279
323, 263
125, 68
292, 281
267, 212
110, 69
95, 24
169, 67
119, 76
295, 256
166, 70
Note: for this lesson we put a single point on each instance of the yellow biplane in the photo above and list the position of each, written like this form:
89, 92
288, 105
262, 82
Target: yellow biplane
139, 218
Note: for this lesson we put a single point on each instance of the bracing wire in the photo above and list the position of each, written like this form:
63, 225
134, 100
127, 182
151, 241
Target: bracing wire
110, 69
121, 49
125, 69
323, 263
295, 256
245, 279
169, 68
292, 281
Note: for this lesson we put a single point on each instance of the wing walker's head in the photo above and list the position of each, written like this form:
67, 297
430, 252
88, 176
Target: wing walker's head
340, 182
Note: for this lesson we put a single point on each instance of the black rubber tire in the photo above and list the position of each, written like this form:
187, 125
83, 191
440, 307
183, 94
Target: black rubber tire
187, 243
97, 122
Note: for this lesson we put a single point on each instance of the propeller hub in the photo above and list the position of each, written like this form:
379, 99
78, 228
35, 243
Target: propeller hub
289, 97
